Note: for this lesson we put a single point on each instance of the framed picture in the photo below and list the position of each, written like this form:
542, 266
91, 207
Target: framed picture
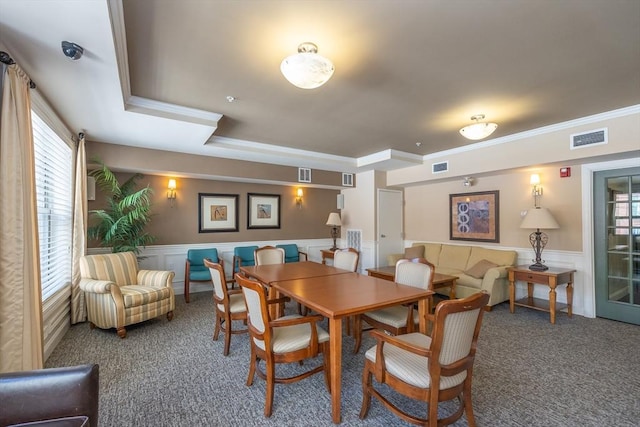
474, 216
264, 211
217, 212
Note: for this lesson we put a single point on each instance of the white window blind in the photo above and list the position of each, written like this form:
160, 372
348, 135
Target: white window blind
54, 184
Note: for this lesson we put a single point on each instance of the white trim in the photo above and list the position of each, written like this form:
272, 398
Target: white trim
587, 225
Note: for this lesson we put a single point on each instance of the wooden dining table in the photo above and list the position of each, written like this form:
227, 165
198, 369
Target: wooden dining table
270, 273
338, 296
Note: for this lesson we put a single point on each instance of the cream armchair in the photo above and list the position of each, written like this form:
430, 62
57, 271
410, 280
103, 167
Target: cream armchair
118, 294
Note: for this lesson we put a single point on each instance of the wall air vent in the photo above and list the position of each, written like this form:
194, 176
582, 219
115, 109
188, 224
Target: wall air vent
304, 175
589, 139
347, 180
440, 167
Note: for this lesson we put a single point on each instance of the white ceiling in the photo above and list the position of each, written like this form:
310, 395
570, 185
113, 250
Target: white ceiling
156, 73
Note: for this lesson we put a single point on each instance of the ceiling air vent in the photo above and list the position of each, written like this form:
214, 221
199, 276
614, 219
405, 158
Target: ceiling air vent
440, 167
304, 175
588, 139
347, 180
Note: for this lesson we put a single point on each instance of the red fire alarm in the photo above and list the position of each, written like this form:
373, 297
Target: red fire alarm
565, 172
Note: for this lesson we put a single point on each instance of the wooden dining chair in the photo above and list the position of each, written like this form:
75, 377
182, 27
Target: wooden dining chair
268, 255
399, 319
431, 369
288, 339
346, 259
229, 305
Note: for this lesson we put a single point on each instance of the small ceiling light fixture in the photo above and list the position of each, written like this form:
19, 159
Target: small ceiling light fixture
478, 130
468, 181
72, 50
231, 98
307, 69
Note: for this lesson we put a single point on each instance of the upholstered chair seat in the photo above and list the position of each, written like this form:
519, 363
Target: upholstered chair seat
118, 294
395, 317
194, 268
432, 369
288, 339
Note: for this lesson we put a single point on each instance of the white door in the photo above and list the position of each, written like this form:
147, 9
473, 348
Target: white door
390, 213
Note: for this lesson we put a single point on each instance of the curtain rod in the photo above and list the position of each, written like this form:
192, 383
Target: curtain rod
6, 59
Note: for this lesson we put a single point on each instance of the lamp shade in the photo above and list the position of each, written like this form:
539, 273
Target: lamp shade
307, 69
539, 218
334, 220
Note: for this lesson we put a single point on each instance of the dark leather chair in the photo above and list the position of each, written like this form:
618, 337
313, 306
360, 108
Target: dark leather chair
61, 397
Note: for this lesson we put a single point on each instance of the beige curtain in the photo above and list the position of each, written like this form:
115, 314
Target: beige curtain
78, 309
21, 336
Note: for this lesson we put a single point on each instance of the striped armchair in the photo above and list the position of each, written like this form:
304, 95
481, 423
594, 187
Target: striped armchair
118, 294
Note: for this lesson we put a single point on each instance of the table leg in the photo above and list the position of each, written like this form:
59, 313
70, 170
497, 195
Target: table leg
424, 307
530, 290
335, 361
512, 295
552, 299
570, 296
452, 290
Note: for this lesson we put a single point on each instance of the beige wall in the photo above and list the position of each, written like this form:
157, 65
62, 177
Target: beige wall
179, 224
427, 207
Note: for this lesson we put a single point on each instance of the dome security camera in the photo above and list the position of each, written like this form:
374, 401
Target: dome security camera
72, 50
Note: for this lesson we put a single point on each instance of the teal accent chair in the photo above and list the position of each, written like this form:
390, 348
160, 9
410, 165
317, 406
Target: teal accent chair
243, 256
292, 253
195, 270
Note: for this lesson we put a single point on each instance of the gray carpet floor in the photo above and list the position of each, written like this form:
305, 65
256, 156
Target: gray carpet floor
578, 372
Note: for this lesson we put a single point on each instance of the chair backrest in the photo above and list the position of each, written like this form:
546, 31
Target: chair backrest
417, 273
243, 255
220, 295
269, 255
291, 253
120, 268
196, 257
455, 334
255, 296
346, 259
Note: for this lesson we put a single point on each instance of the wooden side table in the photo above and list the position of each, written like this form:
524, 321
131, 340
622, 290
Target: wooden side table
326, 254
551, 278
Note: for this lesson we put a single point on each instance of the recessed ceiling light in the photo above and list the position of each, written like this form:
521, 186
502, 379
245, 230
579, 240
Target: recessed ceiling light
231, 98
418, 144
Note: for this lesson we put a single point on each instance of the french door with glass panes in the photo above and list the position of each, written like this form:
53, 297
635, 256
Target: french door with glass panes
617, 244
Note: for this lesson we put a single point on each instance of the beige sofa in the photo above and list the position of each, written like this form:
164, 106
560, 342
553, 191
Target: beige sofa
477, 268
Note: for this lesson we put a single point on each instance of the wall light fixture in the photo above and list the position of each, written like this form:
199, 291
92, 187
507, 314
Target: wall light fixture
171, 190
299, 194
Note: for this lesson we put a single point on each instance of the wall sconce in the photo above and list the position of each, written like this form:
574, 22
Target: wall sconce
536, 189
468, 181
299, 195
171, 191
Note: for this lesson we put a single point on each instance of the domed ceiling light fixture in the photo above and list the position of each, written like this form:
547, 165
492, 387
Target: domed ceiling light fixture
478, 130
307, 69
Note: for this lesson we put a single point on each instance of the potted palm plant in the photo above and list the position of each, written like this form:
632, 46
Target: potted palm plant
121, 225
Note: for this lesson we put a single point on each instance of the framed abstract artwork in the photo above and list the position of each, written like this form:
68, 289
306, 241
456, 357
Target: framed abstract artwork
217, 212
474, 216
263, 211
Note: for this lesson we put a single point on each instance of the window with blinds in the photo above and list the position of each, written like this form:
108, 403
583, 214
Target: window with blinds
54, 184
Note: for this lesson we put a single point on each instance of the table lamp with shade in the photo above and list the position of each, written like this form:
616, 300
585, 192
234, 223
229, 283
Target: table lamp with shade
334, 222
538, 218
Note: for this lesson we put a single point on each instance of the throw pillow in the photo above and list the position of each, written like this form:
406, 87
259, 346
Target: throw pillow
480, 269
414, 252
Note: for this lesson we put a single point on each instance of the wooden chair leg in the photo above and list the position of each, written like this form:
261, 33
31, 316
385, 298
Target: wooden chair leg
252, 367
216, 329
357, 333
268, 405
227, 335
122, 332
366, 392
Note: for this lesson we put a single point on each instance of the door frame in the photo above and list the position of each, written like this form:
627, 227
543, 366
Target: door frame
587, 171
